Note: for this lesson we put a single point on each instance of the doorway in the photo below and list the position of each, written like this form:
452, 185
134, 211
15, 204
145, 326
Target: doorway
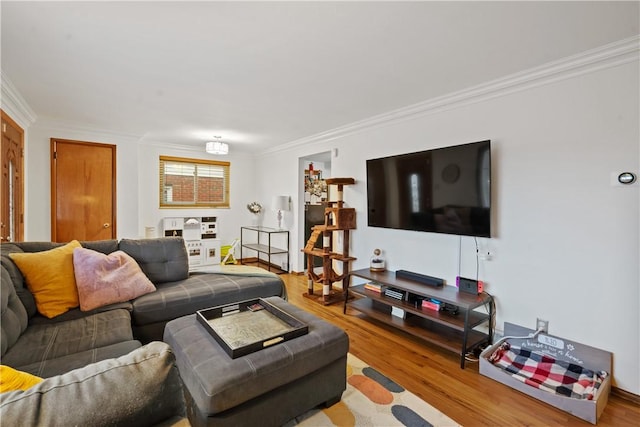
315, 169
83, 190
12, 181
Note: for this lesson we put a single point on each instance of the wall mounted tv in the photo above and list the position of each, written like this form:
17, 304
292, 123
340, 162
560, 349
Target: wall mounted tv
444, 190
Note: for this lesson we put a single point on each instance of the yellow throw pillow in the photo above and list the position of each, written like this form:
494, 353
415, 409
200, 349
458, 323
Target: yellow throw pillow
11, 379
50, 278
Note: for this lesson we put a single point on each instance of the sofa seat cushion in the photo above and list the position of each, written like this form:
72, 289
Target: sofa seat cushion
141, 388
76, 313
200, 291
43, 342
59, 365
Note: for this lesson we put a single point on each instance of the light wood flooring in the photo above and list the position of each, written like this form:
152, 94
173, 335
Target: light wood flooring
434, 374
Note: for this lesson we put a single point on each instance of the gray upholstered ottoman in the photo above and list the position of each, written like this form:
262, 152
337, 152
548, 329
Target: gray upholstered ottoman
266, 388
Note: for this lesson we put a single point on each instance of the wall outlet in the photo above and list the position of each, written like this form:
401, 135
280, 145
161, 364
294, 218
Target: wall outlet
542, 325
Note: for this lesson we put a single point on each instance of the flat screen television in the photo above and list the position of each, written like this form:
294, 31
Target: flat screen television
444, 190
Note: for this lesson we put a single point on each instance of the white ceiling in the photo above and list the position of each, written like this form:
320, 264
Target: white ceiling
261, 74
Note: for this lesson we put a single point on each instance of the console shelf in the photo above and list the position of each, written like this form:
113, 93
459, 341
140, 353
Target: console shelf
268, 249
454, 332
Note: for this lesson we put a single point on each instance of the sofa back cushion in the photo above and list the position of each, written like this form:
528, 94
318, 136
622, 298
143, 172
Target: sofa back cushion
16, 277
14, 316
104, 246
141, 388
163, 259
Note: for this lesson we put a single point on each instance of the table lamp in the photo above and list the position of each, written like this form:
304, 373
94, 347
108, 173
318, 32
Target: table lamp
280, 204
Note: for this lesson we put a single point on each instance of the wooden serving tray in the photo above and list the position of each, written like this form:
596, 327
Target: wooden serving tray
248, 326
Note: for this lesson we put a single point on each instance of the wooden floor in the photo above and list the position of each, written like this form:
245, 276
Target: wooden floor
434, 374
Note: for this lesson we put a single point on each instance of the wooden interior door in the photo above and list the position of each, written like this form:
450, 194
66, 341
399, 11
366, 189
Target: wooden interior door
12, 181
83, 190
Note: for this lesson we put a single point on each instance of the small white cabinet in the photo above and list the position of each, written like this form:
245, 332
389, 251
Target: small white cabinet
200, 238
172, 227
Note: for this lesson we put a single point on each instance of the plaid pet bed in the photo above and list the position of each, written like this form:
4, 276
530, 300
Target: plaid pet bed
546, 373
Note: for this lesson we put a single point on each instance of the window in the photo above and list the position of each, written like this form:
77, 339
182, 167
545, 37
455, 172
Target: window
193, 183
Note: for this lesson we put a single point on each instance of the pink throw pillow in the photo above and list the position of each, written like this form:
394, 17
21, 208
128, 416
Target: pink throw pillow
107, 279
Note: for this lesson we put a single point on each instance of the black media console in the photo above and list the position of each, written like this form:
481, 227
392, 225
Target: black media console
450, 329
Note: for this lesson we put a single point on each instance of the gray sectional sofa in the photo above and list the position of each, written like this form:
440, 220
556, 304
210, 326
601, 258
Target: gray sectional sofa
120, 334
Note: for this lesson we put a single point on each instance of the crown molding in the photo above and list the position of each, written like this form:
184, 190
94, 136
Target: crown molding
607, 56
68, 127
14, 104
198, 150
172, 146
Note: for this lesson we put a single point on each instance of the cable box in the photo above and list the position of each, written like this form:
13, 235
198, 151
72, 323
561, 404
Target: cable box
394, 293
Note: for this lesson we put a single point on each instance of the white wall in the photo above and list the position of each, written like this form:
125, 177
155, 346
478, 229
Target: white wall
137, 184
566, 242
243, 190
38, 177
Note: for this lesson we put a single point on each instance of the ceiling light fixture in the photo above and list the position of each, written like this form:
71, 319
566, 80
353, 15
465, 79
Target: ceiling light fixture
217, 147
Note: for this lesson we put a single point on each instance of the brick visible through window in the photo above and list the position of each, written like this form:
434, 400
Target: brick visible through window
193, 183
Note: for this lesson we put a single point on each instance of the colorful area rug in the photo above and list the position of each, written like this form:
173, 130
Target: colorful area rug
371, 399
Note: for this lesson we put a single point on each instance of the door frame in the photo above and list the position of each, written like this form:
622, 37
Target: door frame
19, 229
54, 173
324, 157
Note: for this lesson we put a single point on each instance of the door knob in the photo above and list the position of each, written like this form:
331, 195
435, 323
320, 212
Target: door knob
106, 225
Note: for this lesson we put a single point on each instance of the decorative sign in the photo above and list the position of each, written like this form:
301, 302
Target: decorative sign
553, 342
554, 347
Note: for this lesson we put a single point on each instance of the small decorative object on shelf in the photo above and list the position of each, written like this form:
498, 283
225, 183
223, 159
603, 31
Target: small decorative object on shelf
315, 188
377, 261
254, 207
374, 287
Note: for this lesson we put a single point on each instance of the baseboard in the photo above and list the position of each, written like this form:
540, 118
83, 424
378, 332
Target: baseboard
626, 395
263, 264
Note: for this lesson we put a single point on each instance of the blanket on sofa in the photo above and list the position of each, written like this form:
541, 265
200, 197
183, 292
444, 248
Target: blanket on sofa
235, 270
548, 374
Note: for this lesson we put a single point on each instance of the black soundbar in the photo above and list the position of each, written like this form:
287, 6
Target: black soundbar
421, 278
